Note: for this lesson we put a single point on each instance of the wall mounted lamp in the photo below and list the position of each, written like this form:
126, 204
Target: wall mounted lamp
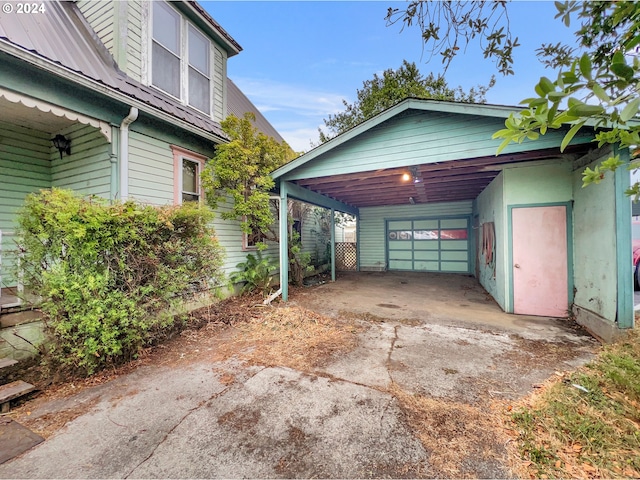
63, 144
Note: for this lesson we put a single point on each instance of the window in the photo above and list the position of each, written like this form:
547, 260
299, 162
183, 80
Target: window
190, 175
187, 167
251, 240
180, 58
165, 49
198, 70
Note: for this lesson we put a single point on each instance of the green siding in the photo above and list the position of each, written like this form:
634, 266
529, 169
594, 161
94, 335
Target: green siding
88, 169
219, 79
415, 137
135, 56
24, 168
100, 16
372, 226
150, 169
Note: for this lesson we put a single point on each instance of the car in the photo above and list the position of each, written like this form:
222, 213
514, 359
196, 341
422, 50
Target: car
635, 228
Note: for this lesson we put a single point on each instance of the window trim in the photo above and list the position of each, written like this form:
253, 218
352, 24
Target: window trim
185, 25
180, 154
245, 242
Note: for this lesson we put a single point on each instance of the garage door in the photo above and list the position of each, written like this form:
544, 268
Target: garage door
428, 245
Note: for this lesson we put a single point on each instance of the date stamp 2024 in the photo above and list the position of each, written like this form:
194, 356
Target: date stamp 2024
24, 8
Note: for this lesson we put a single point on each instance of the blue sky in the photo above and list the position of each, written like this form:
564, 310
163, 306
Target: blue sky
301, 58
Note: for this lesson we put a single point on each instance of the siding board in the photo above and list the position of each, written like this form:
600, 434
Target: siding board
24, 168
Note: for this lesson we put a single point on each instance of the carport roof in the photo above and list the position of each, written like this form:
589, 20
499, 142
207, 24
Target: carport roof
419, 151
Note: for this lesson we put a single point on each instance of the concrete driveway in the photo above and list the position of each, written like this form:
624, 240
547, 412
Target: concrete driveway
415, 397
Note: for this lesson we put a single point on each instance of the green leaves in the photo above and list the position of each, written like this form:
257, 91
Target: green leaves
111, 277
239, 173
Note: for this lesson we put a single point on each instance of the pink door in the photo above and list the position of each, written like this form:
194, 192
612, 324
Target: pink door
540, 275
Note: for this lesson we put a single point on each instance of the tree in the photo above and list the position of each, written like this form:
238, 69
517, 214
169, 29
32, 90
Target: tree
598, 78
463, 21
239, 174
391, 88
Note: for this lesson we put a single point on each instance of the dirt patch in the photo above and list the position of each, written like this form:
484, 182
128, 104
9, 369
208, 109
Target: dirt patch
370, 317
49, 423
464, 441
529, 353
289, 336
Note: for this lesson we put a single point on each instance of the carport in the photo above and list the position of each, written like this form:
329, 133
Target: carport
430, 195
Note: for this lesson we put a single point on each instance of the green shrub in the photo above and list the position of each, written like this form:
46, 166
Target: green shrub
256, 273
112, 276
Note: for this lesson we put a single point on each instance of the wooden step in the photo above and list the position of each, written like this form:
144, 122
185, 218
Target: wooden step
7, 362
11, 391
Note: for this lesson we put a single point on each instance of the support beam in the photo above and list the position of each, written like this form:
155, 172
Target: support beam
625, 315
300, 193
357, 243
333, 245
284, 239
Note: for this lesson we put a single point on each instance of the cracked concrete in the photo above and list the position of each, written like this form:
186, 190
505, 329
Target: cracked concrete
337, 422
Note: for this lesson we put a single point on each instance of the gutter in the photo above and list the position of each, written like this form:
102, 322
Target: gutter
96, 86
124, 151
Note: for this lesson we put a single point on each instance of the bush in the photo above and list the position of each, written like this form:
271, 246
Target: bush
112, 277
256, 273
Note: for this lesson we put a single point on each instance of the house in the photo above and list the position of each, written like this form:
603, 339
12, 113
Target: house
431, 195
135, 91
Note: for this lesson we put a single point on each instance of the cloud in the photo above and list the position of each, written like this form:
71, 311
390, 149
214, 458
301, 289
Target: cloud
295, 112
269, 95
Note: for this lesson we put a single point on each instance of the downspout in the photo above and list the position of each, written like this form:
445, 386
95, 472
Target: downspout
113, 159
124, 152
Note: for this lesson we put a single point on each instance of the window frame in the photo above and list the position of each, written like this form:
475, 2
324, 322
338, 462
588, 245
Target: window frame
245, 242
179, 156
183, 44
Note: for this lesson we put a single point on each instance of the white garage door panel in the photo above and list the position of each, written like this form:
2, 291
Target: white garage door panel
428, 245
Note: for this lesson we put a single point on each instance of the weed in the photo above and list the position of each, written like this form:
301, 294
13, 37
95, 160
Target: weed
586, 423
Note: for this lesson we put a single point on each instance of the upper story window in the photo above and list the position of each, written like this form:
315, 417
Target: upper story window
180, 58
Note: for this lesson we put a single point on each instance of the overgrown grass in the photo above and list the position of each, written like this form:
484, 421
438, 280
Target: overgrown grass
586, 424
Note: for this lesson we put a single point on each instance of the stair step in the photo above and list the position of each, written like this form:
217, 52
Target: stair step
7, 362
13, 390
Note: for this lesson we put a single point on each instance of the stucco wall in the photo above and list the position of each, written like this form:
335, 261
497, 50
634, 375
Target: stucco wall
549, 183
595, 257
490, 207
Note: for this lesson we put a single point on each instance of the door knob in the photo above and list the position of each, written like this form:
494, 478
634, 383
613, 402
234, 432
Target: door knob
517, 265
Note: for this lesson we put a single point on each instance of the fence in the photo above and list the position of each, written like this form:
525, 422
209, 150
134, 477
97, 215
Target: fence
346, 256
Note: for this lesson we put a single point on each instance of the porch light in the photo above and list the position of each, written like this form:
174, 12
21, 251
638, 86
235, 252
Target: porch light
62, 144
406, 177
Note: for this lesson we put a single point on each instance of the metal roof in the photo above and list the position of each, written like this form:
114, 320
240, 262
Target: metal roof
63, 36
238, 104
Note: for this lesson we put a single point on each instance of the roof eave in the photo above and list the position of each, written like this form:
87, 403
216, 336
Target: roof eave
484, 110
72, 76
232, 47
